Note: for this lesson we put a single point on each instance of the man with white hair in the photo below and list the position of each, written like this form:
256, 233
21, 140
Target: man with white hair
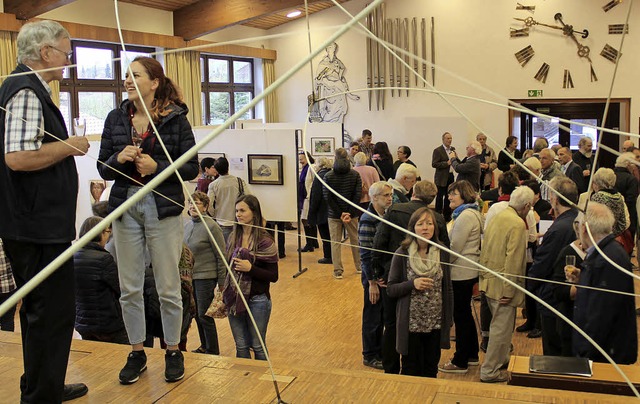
406, 177
504, 252
627, 145
607, 317
548, 171
381, 194
469, 168
39, 183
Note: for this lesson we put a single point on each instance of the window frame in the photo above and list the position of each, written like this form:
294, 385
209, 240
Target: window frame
230, 87
74, 85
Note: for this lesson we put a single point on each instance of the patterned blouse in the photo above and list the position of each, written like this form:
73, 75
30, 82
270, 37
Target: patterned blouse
425, 309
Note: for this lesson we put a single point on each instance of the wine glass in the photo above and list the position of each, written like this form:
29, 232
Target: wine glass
136, 139
79, 126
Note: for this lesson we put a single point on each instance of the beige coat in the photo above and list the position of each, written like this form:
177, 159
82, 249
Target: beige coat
504, 251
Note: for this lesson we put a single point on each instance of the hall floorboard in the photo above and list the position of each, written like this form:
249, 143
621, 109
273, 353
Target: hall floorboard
314, 339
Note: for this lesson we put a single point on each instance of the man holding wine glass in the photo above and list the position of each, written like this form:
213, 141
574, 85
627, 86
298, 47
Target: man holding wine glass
584, 157
39, 183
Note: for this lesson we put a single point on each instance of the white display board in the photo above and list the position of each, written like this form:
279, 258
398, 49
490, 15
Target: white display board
278, 202
310, 131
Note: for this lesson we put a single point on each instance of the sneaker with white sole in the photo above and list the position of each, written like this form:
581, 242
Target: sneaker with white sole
451, 368
136, 364
174, 366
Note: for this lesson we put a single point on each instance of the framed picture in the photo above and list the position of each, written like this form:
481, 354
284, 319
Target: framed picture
265, 169
322, 146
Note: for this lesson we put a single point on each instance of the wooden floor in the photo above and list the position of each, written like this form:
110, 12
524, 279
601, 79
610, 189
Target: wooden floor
314, 339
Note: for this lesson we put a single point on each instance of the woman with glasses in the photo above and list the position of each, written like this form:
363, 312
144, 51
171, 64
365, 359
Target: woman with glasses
209, 269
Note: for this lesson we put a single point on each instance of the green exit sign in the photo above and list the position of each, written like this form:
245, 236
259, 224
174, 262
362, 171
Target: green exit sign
534, 93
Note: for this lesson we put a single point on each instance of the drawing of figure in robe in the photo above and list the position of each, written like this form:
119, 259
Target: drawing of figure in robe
330, 80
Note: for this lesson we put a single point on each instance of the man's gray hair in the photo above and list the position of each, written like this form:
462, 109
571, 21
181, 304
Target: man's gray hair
583, 141
377, 188
604, 178
407, 170
600, 219
520, 197
540, 144
34, 35
475, 145
625, 159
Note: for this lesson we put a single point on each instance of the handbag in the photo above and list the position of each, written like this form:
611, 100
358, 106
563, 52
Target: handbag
217, 308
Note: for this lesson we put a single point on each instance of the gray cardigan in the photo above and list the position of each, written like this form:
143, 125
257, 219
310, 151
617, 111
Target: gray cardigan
399, 287
208, 263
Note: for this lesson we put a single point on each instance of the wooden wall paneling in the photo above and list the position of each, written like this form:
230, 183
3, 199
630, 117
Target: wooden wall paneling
26, 9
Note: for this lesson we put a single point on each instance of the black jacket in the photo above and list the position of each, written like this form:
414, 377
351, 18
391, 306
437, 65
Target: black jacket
37, 206
97, 291
627, 185
388, 238
176, 133
468, 169
318, 212
347, 182
559, 235
608, 318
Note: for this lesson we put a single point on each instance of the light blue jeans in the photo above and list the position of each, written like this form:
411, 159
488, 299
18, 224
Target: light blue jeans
245, 334
138, 227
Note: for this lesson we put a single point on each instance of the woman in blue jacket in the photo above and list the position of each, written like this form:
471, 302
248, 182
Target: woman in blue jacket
131, 154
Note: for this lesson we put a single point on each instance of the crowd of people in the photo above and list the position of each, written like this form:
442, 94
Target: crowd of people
149, 274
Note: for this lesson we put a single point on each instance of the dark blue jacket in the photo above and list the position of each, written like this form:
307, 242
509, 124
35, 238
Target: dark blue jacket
346, 182
97, 291
177, 135
559, 235
608, 318
37, 206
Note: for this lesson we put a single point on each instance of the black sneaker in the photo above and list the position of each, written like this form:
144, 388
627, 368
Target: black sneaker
136, 364
325, 261
373, 363
174, 366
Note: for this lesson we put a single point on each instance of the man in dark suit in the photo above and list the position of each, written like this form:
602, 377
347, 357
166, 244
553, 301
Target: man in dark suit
571, 169
444, 174
469, 168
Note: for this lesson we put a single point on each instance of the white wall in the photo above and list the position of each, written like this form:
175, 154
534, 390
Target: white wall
472, 41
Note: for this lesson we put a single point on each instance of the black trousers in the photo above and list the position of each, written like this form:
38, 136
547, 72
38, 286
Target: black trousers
323, 229
390, 357
551, 339
47, 317
371, 327
279, 236
311, 235
7, 320
466, 333
485, 316
442, 201
423, 355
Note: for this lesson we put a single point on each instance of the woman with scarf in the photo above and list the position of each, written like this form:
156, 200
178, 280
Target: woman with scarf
465, 230
253, 256
419, 278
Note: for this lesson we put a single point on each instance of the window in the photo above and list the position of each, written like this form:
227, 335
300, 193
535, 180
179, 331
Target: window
96, 85
227, 86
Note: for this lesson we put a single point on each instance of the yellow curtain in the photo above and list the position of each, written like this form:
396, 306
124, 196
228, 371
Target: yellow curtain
9, 52
184, 69
270, 101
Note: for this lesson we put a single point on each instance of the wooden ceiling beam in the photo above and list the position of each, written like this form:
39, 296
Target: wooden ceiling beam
207, 16
26, 9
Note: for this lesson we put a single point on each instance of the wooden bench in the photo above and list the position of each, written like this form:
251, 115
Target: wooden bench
605, 378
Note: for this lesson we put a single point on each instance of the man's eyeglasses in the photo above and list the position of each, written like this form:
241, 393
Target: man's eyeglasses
68, 54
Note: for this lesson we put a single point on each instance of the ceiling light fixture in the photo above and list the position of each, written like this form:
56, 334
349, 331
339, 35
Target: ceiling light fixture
294, 14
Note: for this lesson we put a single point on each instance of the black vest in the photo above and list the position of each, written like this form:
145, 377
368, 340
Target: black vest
37, 206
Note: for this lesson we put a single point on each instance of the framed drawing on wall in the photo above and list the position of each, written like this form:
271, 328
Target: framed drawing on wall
265, 169
322, 146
